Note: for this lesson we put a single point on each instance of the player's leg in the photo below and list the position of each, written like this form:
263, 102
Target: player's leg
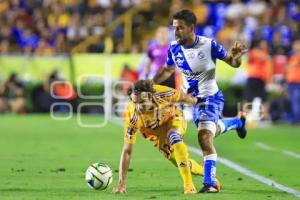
180, 152
205, 139
206, 115
195, 167
174, 138
237, 123
180, 124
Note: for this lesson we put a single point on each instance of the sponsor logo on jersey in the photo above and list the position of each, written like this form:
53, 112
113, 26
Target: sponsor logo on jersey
190, 56
179, 61
179, 55
192, 75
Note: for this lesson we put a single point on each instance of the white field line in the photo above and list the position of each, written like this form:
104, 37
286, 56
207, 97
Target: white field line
241, 170
284, 152
264, 146
292, 154
251, 174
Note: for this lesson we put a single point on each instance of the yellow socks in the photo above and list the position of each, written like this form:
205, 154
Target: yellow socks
196, 168
181, 157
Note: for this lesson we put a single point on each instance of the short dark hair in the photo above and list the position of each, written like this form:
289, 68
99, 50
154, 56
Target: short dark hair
141, 86
187, 16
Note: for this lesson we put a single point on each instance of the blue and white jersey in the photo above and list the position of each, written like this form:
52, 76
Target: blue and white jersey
197, 64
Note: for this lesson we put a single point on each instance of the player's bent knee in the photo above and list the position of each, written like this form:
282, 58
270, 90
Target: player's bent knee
207, 125
174, 137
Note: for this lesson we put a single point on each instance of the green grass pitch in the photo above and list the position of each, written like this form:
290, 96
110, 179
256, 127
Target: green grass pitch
41, 158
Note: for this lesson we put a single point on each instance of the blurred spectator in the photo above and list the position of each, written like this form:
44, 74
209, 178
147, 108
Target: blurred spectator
61, 45
201, 11
227, 34
58, 18
157, 55
236, 10
64, 90
28, 41
75, 30
43, 48
280, 109
4, 5
157, 52
256, 8
42, 96
129, 75
12, 95
4, 47
293, 81
279, 53
258, 73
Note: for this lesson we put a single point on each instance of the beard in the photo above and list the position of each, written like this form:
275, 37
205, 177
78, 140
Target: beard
182, 41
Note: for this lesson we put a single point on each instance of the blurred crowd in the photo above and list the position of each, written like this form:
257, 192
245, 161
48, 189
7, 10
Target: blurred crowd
55, 26
45, 27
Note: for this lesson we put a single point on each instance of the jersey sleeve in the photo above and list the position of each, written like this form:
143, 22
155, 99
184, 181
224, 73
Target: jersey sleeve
170, 60
169, 94
217, 51
175, 96
130, 127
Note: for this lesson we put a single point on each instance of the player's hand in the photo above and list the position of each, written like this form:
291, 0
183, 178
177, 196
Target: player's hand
237, 50
119, 189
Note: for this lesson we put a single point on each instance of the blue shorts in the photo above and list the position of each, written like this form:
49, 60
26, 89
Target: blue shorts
210, 108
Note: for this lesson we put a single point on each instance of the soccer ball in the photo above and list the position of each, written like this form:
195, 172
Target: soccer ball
98, 176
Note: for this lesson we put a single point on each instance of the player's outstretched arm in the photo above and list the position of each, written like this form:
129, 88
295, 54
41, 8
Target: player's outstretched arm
123, 168
234, 56
187, 98
163, 74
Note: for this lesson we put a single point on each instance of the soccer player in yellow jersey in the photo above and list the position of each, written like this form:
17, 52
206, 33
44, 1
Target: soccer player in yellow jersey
152, 111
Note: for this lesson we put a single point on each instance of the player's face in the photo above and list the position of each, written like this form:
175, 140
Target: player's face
143, 100
183, 32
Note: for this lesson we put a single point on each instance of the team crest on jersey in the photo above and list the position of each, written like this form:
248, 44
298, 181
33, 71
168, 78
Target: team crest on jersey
201, 55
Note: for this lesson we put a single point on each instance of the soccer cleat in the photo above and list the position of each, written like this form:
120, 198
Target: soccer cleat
242, 132
190, 189
209, 189
218, 184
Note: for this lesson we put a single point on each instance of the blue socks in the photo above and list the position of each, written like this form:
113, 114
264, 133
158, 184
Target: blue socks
210, 162
228, 124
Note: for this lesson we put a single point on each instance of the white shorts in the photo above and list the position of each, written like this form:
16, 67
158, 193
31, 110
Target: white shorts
208, 125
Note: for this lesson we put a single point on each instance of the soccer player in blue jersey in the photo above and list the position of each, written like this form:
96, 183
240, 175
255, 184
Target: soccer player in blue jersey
195, 56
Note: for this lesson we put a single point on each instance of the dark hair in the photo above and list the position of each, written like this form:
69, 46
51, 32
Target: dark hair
142, 86
187, 16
